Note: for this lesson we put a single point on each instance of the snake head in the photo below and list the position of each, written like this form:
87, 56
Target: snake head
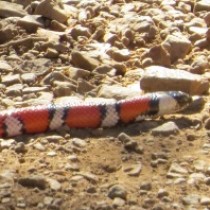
173, 101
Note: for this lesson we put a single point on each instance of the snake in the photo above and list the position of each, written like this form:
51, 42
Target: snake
41, 118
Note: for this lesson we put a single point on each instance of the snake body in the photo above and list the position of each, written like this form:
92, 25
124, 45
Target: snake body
36, 119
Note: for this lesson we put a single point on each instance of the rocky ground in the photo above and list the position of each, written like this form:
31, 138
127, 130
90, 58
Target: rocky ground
56, 50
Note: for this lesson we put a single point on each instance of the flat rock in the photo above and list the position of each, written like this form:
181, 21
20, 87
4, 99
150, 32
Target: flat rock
133, 169
31, 22
8, 9
166, 129
84, 60
176, 171
50, 10
157, 78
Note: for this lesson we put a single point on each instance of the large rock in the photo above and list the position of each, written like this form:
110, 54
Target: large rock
157, 78
49, 9
202, 5
178, 46
31, 22
8, 9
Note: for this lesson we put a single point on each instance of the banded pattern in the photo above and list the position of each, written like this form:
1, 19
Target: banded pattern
38, 119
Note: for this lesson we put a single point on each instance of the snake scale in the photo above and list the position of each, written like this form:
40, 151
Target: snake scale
37, 119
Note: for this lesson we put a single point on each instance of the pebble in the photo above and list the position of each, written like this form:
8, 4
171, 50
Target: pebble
207, 124
84, 60
176, 171
11, 79
20, 147
31, 22
33, 181
133, 169
146, 186
4, 66
39, 146
162, 193
117, 191
166, 129
89, 176
54, 184
191, 199
5, 144
118, 202
205, 201
52, 154
202, 5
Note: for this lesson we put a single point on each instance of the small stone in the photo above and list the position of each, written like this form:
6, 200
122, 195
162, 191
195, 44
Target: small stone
117, 191
146, 186
205, 201
47, 9
51, 53
54, 184
48, 200
162, 193
191, 199
119, 55
207, 124
31, 22
84, 60
89, 176
33, 181
72, 167
11, 79
51, 154
176, 171
134, 169
195, 178
118, 202
80, 31
200, 165
29, 78
20, 147
199, 65
178, 46
207, 181
166, 129
207, 19
4, 66
202, 5
124, 138
39, 146
157, 55
5, 144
